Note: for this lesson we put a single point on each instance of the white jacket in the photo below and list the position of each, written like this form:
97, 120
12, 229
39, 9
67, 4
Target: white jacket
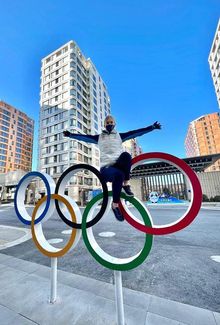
110, 146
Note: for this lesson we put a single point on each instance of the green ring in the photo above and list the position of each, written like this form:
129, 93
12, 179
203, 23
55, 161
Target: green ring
148, 239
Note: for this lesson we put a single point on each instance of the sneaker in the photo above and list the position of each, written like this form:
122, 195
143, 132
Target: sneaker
127, 190
118, 214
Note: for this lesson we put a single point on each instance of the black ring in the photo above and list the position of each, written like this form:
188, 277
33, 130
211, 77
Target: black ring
104, 202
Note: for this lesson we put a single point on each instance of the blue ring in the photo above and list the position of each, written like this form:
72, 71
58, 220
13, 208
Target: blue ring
38, 174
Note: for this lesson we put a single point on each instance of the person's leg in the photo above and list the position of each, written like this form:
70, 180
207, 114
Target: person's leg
116, 176
124, 164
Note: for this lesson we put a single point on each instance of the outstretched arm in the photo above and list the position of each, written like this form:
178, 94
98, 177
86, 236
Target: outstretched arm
82, 137
137, 133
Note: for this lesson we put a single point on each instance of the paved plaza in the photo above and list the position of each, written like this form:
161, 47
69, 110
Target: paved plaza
182, 269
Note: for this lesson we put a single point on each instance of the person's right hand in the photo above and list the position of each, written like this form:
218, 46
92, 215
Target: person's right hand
66, 133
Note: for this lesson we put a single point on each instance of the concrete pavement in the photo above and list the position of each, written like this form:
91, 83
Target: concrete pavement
25, 289
24, 299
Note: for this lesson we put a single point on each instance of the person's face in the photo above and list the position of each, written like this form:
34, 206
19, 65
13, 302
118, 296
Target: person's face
109, 121
109, 124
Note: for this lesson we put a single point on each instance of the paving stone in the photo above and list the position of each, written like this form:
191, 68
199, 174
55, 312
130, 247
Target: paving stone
154, 319
6, 316
181, 312
25, 292
21, 265
217, 318
3, 257
10, 277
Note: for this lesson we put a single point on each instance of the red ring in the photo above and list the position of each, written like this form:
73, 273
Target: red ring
195, 203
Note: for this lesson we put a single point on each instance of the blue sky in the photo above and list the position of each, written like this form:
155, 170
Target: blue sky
153, 56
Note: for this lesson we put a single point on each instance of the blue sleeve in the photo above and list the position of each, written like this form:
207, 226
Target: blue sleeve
85, 137
136, 133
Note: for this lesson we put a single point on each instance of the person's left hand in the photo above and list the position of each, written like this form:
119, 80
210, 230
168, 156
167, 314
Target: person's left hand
157, 125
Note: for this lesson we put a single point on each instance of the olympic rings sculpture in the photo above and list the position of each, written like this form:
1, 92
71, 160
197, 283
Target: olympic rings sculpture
70, 213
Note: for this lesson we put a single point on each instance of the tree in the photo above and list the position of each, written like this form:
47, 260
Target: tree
217, 198
205, 198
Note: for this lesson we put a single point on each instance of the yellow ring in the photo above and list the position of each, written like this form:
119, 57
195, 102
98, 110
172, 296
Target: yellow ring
65, 249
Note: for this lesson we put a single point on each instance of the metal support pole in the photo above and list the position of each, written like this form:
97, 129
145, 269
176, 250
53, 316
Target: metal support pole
119, 298
53, 280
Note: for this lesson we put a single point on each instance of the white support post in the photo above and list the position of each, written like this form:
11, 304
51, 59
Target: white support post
53, 280
119, 298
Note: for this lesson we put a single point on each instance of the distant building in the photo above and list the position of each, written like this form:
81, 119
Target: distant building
203, 138
16, 139
132, 147
73, 97
214, 62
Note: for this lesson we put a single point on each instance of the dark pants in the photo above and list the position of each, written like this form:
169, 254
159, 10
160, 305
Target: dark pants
117, 174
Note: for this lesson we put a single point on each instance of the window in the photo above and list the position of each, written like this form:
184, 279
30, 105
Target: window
72, 73
73, 112
85, 149
4, 128
79, 96
72, 101
80, 157
73, 180
4, 134
79, 115
73, 92
96, 126
64, 157
80, 146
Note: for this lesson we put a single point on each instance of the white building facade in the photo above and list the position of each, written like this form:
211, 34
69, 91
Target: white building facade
132, 147
73, 97
214, 62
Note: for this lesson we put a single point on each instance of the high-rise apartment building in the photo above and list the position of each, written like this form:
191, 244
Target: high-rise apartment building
203, 138
214, 62
16, 139
73, 97
132, 147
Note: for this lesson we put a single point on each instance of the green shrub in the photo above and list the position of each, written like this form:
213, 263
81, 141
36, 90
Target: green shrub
205, 198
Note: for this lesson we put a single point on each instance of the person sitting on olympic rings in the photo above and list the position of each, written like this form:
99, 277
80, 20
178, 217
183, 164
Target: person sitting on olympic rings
115, 163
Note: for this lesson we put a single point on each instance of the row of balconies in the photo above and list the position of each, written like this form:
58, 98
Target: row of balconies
55, 56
